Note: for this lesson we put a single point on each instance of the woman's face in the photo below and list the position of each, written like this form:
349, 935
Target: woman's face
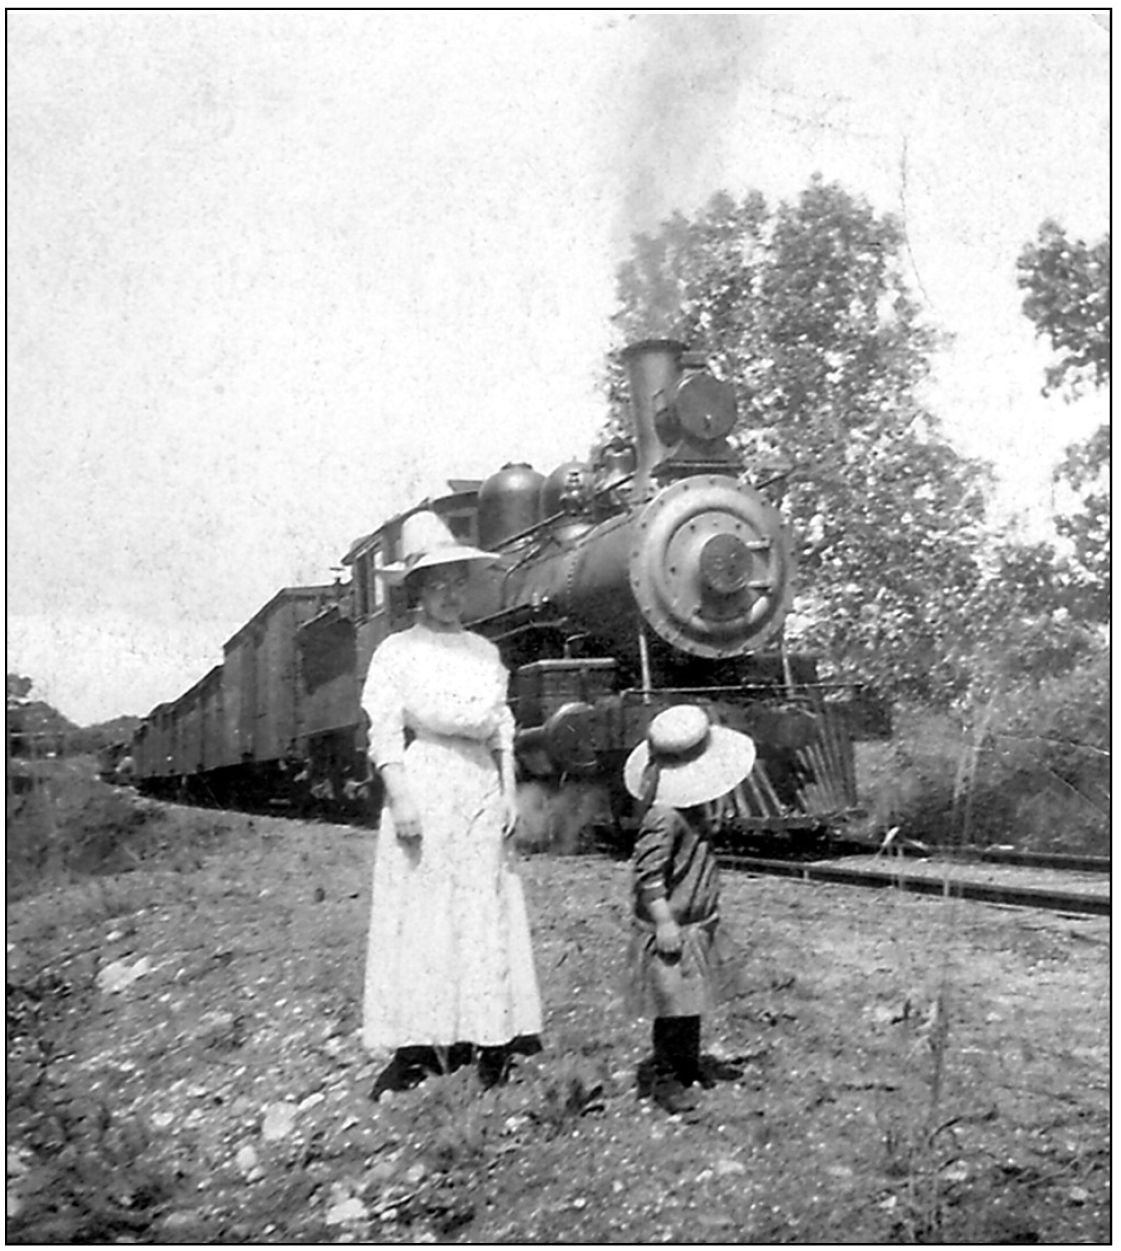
441, 592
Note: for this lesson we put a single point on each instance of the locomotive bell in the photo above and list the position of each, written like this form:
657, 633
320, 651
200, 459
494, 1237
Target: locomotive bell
616, 462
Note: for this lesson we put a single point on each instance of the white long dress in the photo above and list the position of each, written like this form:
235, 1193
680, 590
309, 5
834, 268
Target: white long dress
449, 956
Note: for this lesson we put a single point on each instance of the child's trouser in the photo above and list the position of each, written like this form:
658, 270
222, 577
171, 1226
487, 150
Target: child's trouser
677, 1048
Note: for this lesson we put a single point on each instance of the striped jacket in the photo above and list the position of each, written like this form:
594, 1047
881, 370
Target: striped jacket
674, 860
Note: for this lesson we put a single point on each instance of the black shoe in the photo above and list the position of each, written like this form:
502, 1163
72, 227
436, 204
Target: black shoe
493, 1066
659, 1081
399, 1074
711, 1070
459, 1055
673, 1097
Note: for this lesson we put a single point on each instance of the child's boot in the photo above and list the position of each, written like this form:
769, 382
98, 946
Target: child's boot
683, 1045
668, 1090
685, 1048
692, 1067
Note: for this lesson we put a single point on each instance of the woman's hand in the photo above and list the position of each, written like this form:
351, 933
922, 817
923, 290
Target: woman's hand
406, 815
509, 813
406, 819
504, 761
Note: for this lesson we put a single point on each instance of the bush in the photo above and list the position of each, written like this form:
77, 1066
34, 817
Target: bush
1050, 745
1030, 767
66, 825
72, 827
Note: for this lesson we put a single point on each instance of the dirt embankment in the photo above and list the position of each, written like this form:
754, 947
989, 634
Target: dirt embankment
184, 1067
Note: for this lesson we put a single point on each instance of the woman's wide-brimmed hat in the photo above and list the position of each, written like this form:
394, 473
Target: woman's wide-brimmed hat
688, 759
427, 541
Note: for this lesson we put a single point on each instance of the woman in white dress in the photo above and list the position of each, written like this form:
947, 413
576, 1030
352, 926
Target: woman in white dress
449, 960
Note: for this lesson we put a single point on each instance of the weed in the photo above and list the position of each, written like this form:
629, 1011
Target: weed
1029, 764
567, 1091
93, 1185
90, 1176
916, 1149
461, 1123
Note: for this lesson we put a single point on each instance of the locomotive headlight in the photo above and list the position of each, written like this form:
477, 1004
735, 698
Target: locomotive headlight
706, 407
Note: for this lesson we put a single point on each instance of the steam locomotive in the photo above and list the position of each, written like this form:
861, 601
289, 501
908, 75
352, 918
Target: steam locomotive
653, 576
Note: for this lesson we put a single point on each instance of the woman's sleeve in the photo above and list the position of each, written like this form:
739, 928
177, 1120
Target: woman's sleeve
503, 737
652, 853
381, 701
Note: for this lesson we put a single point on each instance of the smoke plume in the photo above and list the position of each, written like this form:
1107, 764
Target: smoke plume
685, 72
560, 818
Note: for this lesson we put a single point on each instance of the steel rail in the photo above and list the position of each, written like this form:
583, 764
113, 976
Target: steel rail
985, 892
1034, 859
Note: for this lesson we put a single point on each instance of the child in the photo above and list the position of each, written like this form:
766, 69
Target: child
680, 964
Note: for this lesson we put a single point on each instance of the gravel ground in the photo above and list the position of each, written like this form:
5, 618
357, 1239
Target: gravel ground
184, 1067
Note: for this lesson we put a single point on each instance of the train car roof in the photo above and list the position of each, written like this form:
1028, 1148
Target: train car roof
266, 610
210, 677
285, 593
463, 491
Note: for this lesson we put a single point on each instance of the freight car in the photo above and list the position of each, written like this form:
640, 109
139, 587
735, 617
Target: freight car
233, 738
654, 575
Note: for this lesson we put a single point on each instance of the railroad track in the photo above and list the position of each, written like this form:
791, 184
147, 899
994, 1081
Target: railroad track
1070, 861
943, 877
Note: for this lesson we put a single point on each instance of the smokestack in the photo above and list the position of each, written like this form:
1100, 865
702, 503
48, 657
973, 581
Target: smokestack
653, 371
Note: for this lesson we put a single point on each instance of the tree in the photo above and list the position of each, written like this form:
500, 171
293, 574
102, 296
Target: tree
1085, 470
19, 687
806, 310
1068, 299
33, 726
1021, 627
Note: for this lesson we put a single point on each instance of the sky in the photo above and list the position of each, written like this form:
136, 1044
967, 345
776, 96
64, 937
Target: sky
275, 276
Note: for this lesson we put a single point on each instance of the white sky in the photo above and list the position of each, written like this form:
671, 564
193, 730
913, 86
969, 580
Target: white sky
274, 275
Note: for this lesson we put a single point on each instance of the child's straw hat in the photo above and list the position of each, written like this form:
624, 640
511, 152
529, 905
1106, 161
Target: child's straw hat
695, 760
